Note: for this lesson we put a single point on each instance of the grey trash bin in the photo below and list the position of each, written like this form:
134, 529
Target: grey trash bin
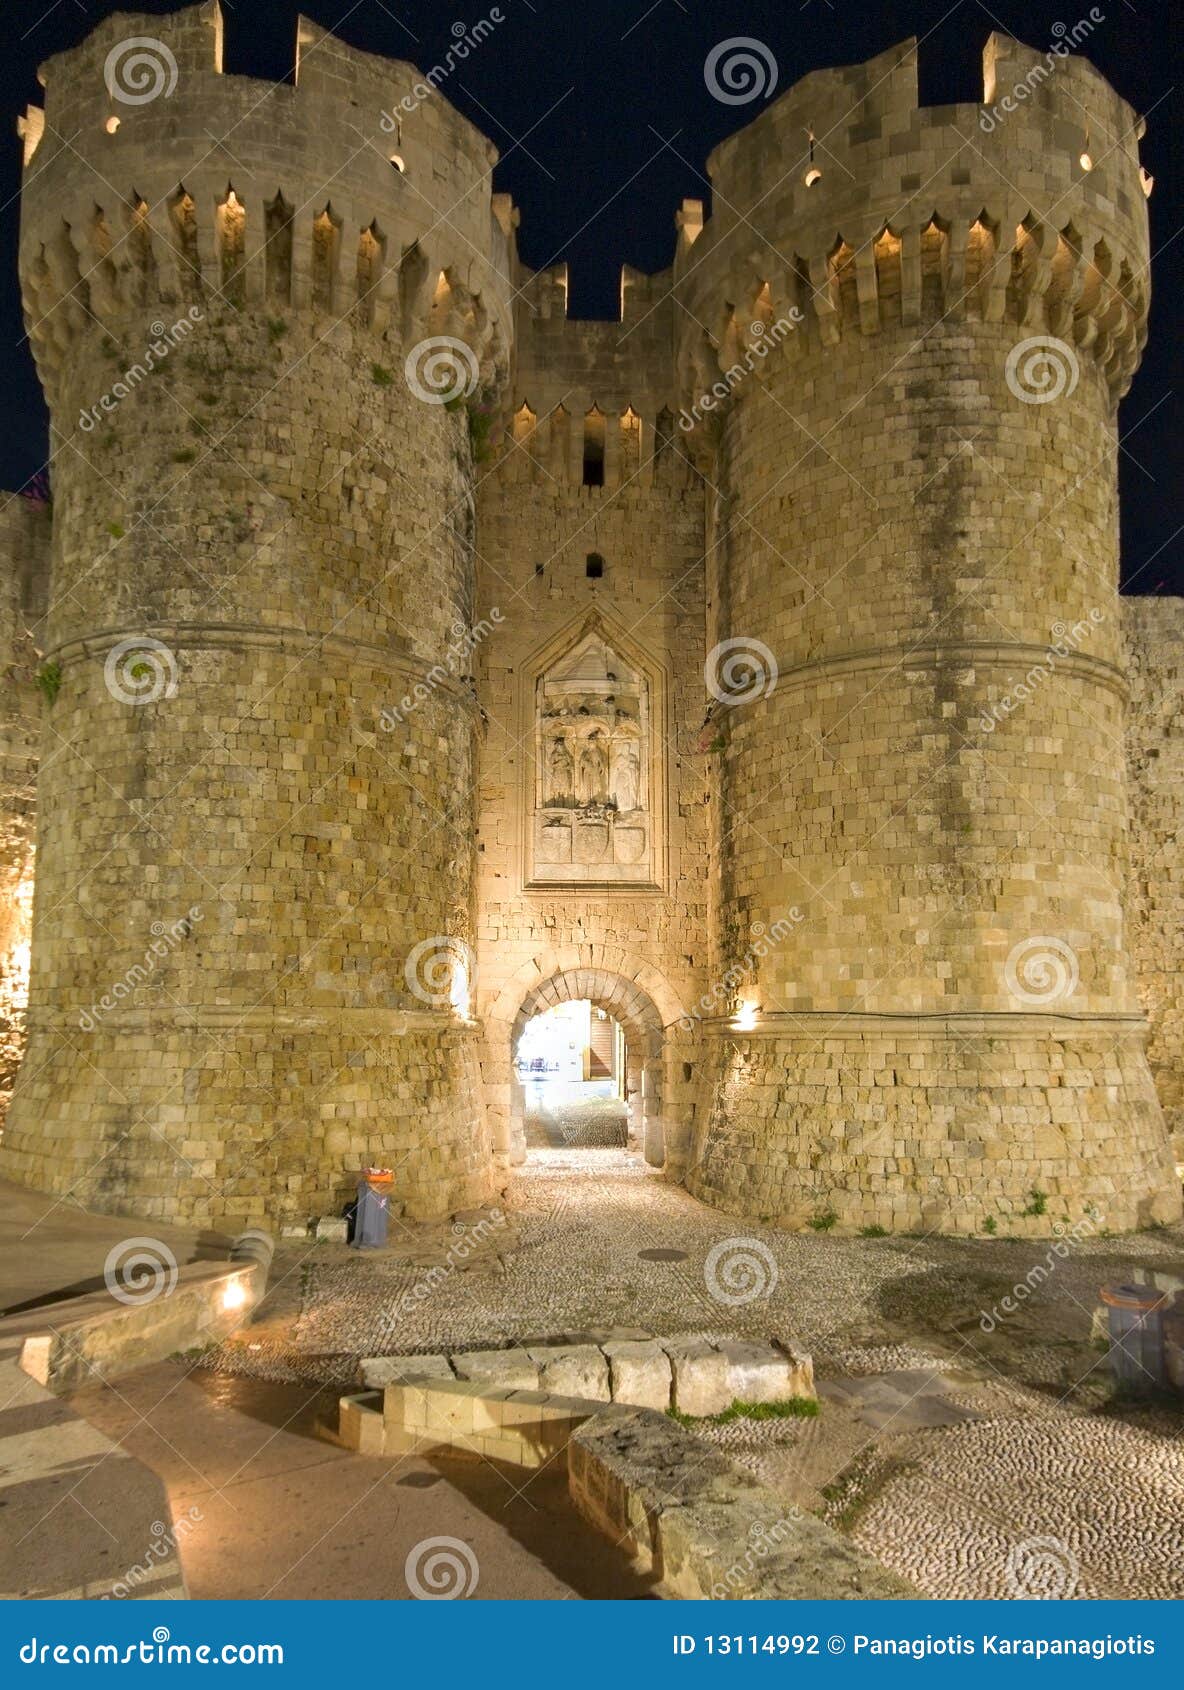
1134, 1314
371, 1213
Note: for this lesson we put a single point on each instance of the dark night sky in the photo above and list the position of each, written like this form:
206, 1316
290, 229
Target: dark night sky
597, 187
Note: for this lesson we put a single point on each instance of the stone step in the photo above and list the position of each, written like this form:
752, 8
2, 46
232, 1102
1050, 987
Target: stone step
693, 1374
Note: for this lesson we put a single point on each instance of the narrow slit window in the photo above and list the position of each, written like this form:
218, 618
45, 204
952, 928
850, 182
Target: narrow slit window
594, 448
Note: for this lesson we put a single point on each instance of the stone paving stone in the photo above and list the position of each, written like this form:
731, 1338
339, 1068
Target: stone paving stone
639, 1374
581, 1371
377, 1371
757, 1372
700, 1376
510, 1370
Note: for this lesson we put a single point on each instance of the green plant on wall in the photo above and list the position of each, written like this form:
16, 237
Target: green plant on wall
480, 431
49, 680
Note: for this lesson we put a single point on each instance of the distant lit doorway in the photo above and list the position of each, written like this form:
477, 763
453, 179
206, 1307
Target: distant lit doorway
570, 1061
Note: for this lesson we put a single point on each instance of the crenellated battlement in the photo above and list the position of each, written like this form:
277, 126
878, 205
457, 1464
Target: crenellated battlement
593, 401
397, 684
347, 194
846, 207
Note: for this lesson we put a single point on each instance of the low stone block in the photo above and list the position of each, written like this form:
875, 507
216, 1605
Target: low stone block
699, 1375
360, 1426
507, 1370
581, 1371
801, 1367
757, 1372
380, 1371
452, 1409
333, 1229
639, 1373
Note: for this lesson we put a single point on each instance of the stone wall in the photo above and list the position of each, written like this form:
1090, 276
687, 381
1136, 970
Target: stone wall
1154, 632
920, 551
24, 574
374, 736
541, 534
252, 876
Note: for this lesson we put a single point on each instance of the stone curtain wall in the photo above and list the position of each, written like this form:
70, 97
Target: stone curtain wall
537, 526
1154, 632
24, 571
949, 1035
285, 921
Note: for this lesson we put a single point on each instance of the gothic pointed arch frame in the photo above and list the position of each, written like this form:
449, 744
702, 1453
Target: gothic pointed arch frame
593, 724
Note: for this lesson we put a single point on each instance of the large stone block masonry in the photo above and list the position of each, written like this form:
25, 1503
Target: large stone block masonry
320, 689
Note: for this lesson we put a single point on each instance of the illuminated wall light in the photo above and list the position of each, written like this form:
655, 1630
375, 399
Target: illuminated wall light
746, 1017
458, 993
397, 161
1086, 162
1146, 182
111, 125
235, 1295
812, 175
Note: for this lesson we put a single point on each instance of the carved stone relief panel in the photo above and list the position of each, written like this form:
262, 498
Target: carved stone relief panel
593, 818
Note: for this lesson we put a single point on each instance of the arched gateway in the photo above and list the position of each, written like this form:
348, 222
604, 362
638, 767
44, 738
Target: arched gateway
633, 994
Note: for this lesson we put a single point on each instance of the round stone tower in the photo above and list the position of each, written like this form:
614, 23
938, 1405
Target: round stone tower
259, 314
905, 333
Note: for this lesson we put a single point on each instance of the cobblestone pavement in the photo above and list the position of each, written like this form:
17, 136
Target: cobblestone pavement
1000, 1467
598, 1122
